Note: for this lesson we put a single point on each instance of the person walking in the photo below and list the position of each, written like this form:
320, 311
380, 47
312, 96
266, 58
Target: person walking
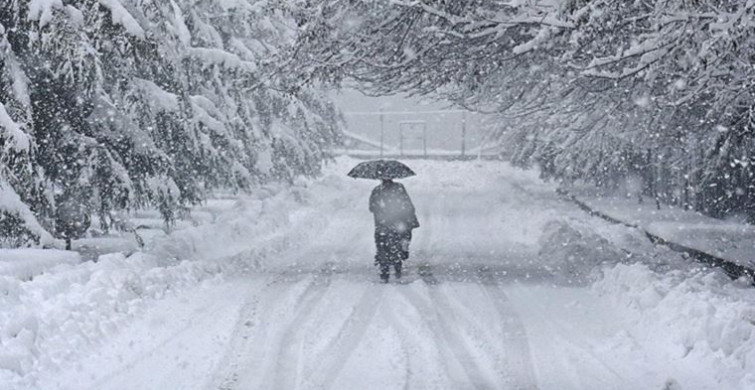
395, 218
393, 210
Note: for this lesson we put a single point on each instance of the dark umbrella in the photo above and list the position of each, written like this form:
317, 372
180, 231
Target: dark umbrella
381, 169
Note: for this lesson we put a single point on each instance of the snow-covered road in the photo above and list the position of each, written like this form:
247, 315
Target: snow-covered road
481, 306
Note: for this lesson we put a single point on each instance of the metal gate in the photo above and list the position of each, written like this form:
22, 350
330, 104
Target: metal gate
410, 132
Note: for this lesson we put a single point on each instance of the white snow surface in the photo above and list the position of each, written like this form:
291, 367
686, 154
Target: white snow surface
730, 240
157, 96
508, 286
26, 263
10, 202
179, 25
121, 16
18, 140
210, 56
41, 10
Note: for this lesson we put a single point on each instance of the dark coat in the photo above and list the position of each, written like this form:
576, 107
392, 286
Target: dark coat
392, 208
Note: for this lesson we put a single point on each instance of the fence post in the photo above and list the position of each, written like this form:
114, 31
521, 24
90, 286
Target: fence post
382, 131
424, 139
463, 133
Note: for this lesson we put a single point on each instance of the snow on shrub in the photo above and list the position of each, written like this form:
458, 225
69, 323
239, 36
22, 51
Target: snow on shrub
15, 215
691, 318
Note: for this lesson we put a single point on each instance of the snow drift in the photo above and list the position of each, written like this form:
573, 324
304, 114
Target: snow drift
52, 317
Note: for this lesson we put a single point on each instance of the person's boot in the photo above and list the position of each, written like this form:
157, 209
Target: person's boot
385, 272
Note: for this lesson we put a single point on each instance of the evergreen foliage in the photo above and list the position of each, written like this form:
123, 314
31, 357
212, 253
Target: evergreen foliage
122, 104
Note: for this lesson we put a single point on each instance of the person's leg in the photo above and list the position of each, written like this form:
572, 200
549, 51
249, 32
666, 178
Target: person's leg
379, 245
382, 257
406, 239
385, 271
394, 251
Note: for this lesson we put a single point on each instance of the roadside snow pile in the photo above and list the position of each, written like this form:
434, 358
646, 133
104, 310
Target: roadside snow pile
63, 312
269, 221
25, 263
573, 253
690, 320
52, 318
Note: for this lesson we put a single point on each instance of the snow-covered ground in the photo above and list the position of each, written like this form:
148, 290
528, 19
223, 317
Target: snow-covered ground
508, 287
731, 240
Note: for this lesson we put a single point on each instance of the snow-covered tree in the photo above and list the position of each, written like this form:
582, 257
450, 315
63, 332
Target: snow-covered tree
120, 104
591, 90
21, 182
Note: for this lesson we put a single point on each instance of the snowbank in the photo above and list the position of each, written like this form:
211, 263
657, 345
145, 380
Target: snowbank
26, 263
691, 320
727, 240
572, 252
693, 324
64, 311
253, 229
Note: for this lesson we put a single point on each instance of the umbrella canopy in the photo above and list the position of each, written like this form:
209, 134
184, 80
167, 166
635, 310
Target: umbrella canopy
381, 169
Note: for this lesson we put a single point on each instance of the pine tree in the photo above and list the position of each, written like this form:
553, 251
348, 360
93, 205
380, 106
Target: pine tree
123, 104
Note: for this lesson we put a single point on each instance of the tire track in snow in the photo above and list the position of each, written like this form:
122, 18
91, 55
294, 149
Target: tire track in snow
424, 237
348, 337
414, 378
244, 353
156, 349
439, 316
227, 377
286, 372
574, 341
517, 358
395, 322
